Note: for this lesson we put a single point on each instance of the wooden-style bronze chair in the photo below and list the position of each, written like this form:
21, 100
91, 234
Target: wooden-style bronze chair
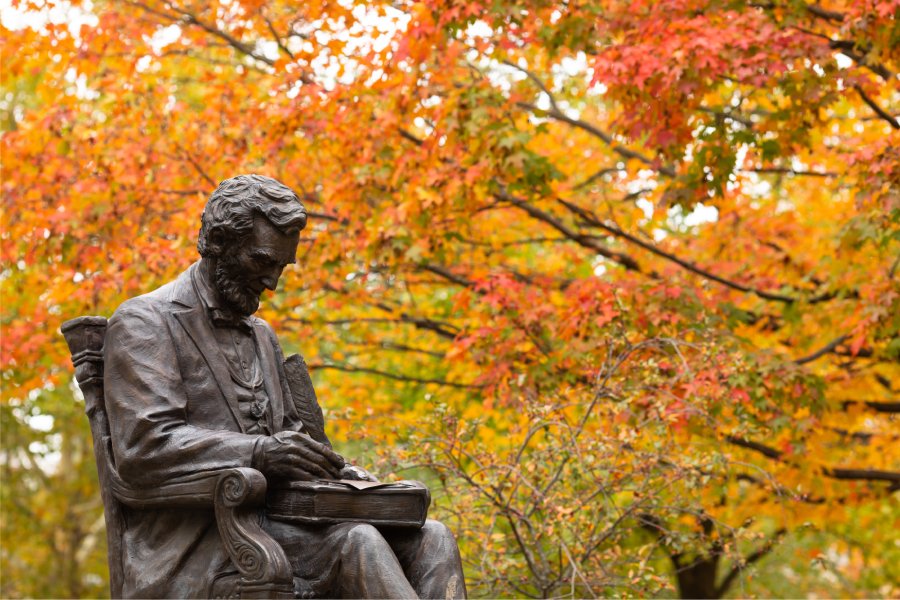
236, 495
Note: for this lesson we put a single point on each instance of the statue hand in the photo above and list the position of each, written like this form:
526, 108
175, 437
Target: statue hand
356, 473
293, 455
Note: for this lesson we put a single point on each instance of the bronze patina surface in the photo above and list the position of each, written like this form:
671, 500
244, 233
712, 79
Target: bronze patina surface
199, 412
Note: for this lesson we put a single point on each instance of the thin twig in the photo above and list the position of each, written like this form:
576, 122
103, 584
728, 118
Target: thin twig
277, 37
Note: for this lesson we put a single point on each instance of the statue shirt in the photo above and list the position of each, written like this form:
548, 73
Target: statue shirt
241, 352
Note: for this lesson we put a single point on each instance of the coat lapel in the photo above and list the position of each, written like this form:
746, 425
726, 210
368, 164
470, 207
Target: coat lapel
195, 323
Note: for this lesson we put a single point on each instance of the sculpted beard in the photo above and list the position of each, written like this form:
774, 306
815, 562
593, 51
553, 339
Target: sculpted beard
231, 287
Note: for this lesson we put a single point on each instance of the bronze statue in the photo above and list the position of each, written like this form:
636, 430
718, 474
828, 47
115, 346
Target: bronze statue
195, 384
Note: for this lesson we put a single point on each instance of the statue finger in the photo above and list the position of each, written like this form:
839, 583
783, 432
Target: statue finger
332, 456
298, 474
320, 460
310, 466
317, 465
304, 441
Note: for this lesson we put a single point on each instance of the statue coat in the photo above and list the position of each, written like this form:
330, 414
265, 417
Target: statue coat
173, 413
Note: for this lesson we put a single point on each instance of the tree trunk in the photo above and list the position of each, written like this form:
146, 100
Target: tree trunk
698, 578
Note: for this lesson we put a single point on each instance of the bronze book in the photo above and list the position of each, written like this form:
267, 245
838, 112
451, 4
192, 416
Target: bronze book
399, 504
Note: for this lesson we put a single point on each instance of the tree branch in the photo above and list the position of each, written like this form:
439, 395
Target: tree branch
625, 260
814, 9
196, 165
235, 43
862, 474
559, 115
396, 376
597, 175
861, 59
536, 80
598, 133
877, 406
404, 348
789, 171
829, 347
878, 110
829, 15
429, 325
446, 274
419, 322
180, 192
725, 114
191, 19
849, 49
327, 217
755, 446
277, 37
833, 472
586, 241
751, 558
409, 136
592, 220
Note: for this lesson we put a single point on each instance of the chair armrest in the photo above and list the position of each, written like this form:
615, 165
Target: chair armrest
197, 491
235, 495
264, 567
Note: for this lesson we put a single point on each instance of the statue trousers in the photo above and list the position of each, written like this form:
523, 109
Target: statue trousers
356, 560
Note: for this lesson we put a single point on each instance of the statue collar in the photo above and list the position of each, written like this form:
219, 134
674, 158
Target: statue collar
192, 288
205, 292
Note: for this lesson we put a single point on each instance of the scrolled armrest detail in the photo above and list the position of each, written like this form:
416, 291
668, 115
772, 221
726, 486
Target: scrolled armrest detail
262, 563
241, 487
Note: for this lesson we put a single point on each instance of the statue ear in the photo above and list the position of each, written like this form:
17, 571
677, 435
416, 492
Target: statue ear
215, 241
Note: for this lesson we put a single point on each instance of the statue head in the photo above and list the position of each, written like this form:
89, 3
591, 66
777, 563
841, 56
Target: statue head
249, 231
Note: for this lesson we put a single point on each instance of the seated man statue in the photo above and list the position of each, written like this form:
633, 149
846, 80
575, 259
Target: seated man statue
195, 383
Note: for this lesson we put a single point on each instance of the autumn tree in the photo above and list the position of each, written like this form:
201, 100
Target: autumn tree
618, 278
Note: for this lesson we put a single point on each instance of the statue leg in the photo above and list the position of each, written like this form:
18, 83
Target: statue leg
369, 568
349, 560
430, 559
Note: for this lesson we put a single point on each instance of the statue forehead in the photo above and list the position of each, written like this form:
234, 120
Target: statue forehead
266, 236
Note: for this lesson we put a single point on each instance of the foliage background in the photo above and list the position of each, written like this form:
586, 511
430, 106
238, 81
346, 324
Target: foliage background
619, 279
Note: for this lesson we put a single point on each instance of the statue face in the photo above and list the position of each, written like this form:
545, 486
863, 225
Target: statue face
245, 270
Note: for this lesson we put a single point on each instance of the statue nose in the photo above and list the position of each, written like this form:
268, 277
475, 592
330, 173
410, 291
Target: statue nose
270, 282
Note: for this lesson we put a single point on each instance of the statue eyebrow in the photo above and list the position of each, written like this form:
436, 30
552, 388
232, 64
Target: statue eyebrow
261, 254
264, 255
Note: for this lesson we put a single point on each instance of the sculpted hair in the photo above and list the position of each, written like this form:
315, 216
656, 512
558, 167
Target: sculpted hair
232, 206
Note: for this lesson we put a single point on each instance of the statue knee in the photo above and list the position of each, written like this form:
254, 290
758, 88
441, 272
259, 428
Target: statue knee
363, 536
435, 530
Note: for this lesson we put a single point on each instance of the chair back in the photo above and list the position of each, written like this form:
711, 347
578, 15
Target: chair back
85, 337
268, 575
